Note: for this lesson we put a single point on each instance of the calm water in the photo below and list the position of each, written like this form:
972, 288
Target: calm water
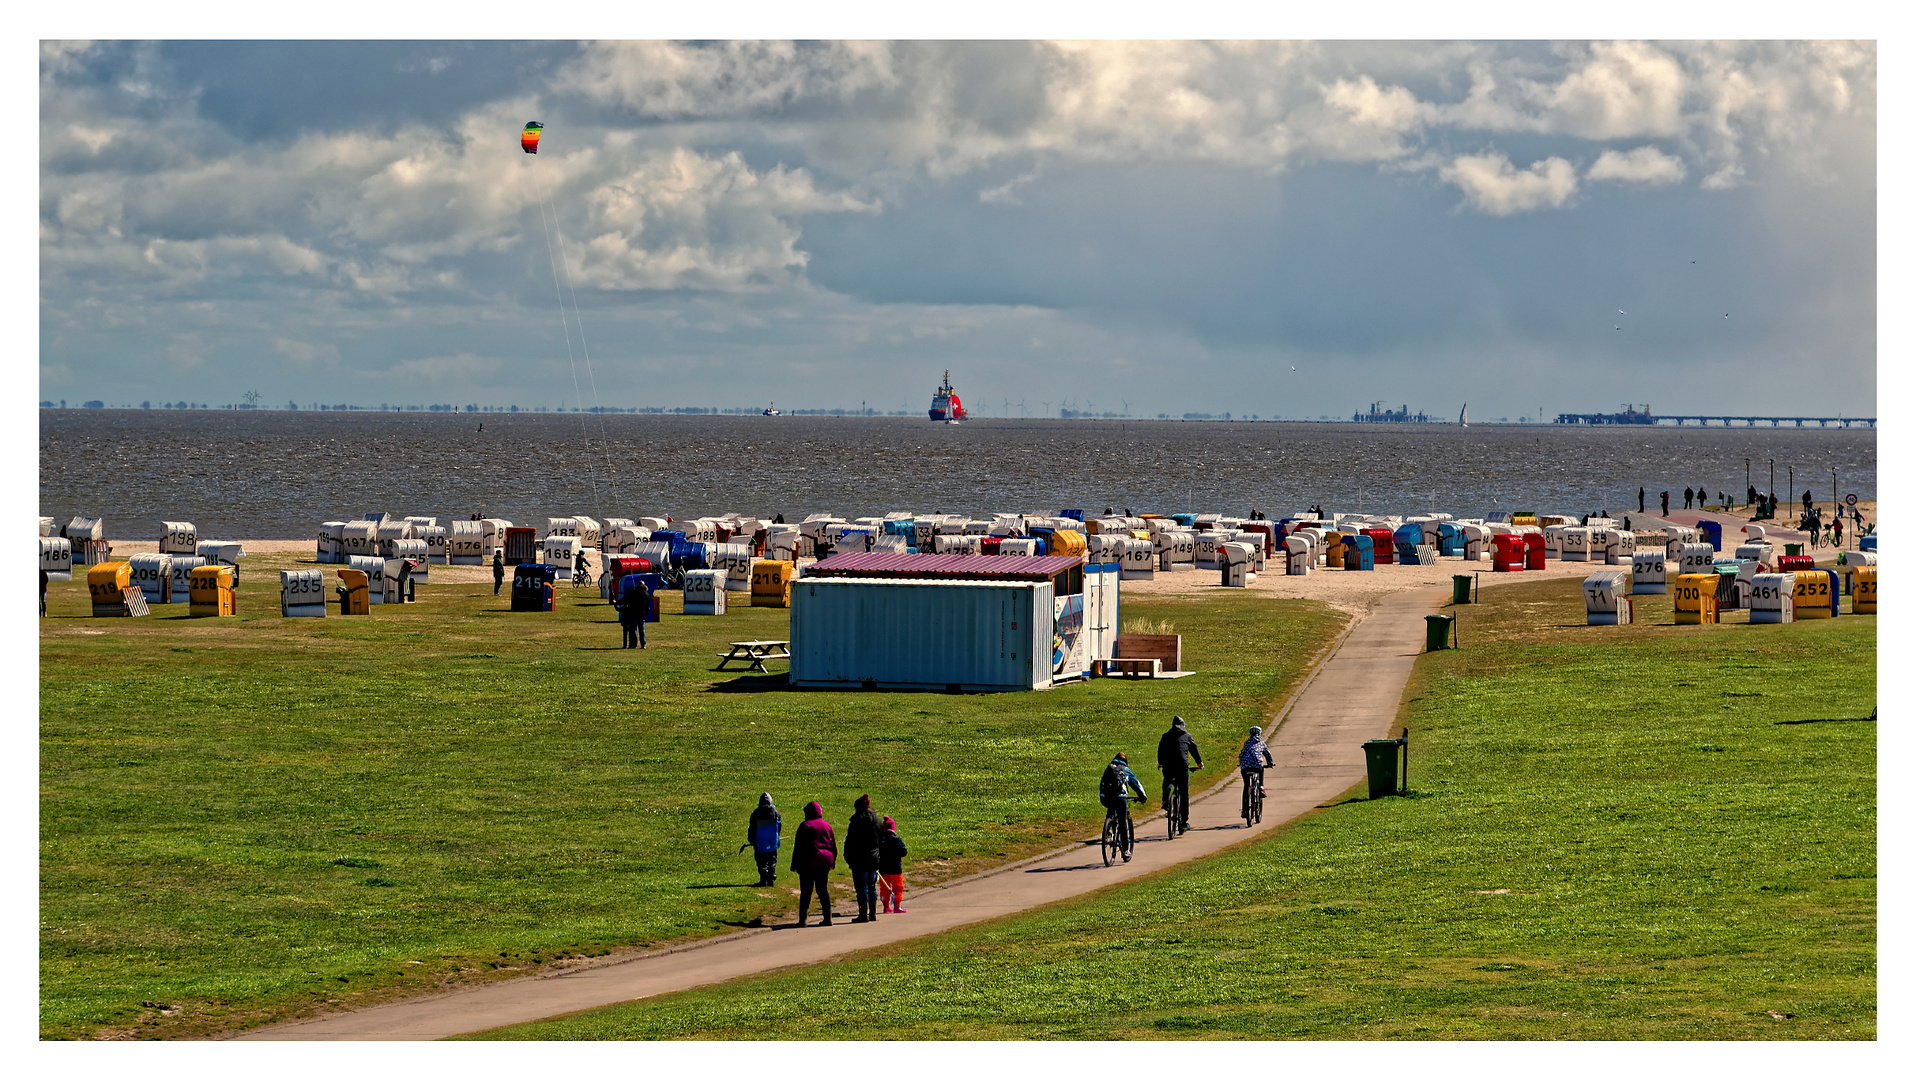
276, 475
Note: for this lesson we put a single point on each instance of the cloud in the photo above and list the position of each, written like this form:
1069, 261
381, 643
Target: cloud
1493, 186
1003, 194
308, 356
1645, 165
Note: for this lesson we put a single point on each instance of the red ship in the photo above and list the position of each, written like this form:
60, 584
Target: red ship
945, 405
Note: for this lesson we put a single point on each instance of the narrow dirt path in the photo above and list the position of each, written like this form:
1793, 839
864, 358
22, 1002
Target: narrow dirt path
1351, 697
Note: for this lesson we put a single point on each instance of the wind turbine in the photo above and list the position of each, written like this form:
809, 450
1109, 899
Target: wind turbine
1026, 413
1047, 410
1127, 407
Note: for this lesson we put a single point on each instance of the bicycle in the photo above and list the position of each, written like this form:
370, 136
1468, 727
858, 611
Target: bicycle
1177, 806
1117, 838
1253, 807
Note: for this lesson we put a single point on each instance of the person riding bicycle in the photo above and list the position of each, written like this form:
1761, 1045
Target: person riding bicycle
581, 575
1172, 747
1115, 786
1252, 758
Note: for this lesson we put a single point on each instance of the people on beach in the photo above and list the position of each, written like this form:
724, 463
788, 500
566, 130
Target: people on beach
1836, 531
814, 853
891, 869
43, 590
1173, 746
1640, 500
1687, 493
861, 854
498, 570
634, 605
763, 832
1666, 504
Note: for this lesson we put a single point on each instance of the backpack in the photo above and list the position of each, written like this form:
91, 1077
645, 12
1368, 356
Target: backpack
1112, 785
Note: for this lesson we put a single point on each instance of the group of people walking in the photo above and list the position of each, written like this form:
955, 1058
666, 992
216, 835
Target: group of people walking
873, 850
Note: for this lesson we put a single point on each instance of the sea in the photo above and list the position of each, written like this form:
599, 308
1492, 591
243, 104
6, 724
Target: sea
276, 475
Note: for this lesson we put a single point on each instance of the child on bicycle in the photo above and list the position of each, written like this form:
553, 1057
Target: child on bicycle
1252, 758
1114, 787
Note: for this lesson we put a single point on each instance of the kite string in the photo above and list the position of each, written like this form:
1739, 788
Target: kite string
544, 214
605, 442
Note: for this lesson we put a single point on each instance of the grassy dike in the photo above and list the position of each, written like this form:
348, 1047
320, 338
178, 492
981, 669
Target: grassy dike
252, 818
1646, 832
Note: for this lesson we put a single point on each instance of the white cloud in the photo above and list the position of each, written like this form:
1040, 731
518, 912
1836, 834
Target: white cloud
1645, 165
1004, 194
1493, 186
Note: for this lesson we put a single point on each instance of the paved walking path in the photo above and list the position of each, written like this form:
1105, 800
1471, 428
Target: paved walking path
1351, 697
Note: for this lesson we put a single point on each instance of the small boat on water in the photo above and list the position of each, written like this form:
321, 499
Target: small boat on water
1463, 418
945, 406
770, 410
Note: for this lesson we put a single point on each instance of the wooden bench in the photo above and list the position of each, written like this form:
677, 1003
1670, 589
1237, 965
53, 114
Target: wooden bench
1151, 656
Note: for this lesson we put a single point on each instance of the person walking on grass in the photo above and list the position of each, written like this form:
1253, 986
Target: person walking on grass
634, 605
861, 854
498, 570
891, 869
763, 831
814, 853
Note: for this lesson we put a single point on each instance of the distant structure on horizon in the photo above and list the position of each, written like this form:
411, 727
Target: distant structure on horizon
1629, 415
1380, 415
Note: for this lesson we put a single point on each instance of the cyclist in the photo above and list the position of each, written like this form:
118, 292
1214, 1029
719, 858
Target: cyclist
1252, 758
1114, 788
1172, 747
581, 574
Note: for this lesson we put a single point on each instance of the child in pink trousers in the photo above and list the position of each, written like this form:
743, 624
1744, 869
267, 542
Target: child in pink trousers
891, 868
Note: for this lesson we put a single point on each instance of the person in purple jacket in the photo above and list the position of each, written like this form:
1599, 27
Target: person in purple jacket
814, 853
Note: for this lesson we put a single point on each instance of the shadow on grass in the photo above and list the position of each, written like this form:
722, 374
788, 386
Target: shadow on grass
727, 885
1832, 720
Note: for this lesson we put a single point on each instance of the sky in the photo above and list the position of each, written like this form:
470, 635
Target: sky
1267, 228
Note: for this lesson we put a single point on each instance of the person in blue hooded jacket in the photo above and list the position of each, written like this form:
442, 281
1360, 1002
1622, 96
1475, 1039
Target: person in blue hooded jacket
762, 833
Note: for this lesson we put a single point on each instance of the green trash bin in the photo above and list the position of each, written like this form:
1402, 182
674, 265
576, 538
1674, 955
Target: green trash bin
1460, 588
1792, 549
1437, 631
1380, 762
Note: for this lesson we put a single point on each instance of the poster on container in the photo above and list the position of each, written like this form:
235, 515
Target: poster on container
1067, 637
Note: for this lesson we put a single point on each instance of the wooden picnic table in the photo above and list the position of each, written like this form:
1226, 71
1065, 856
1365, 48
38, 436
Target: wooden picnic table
756, 653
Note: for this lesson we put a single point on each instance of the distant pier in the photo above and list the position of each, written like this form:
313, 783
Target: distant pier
1705, 421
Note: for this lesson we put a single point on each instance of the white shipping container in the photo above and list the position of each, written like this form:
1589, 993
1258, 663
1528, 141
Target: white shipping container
933, 635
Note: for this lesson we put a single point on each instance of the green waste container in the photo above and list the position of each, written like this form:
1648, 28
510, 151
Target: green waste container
1437, 631
1380, 762
1792, 549
1460, 588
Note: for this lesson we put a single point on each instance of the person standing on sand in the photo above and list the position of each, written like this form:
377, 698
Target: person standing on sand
1686, 498
498, 570
1639, 500
814, 853
861, 854
1666, 504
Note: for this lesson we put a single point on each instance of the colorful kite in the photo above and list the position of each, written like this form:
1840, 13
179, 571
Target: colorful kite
529, 142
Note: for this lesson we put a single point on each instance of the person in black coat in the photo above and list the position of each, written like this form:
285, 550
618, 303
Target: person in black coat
633, 606
1172, 748
861, 854
498, 570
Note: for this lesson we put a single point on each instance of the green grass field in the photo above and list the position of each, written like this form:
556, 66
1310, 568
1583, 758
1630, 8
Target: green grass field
1647, 832
246, 819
